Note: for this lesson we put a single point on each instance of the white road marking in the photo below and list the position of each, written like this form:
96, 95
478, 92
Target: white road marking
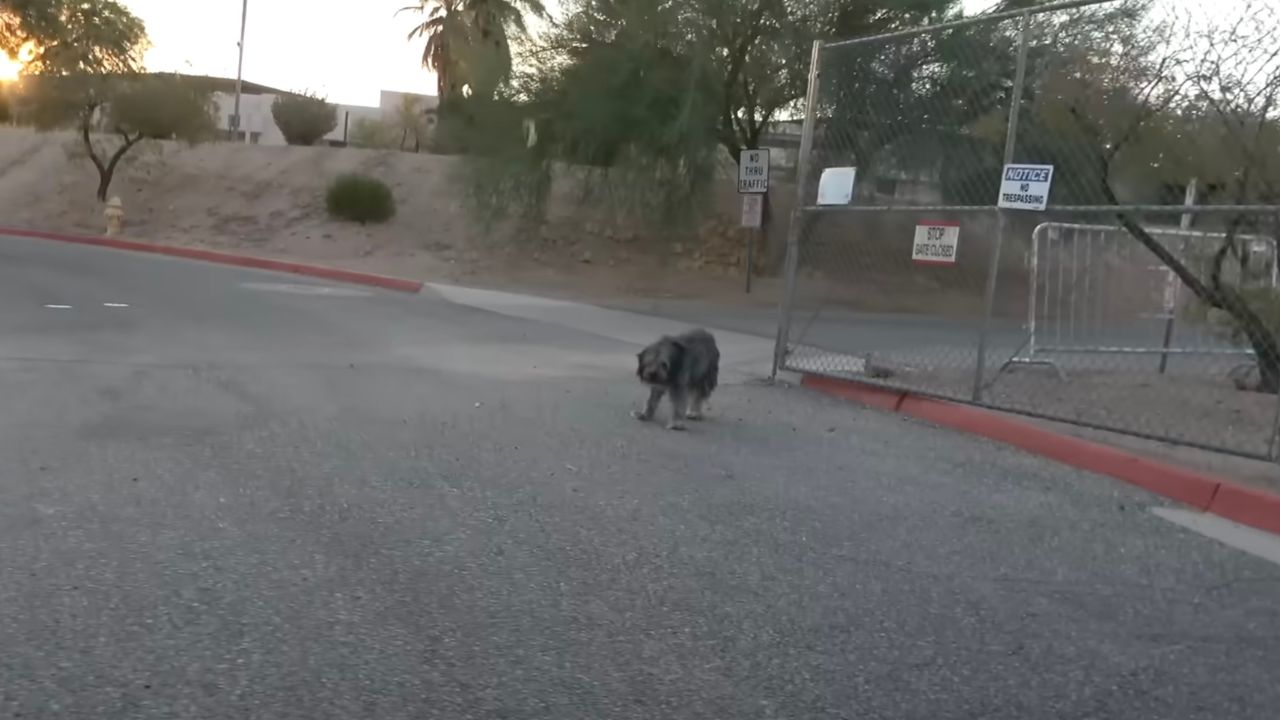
58, 307
115, 305
1241, 537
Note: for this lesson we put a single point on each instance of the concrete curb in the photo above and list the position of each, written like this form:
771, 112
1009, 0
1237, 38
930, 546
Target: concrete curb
1248, 506
223, 258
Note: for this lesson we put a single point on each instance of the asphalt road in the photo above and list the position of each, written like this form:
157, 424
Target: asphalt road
253, 496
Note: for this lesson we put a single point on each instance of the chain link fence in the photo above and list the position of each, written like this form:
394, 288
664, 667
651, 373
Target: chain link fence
1141, 297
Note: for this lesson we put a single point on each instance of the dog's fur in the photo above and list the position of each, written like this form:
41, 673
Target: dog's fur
687, 367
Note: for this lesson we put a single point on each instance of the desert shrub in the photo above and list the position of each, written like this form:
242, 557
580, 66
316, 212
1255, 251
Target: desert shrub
374, 134
304, 119
360, 198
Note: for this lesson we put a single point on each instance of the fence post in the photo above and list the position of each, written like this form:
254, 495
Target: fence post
1172, 282
803, 164
1010, 144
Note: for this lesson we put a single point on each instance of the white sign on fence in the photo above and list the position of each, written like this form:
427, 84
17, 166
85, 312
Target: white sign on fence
752, 211
753, 171
936, 242
835, 186
1025, 187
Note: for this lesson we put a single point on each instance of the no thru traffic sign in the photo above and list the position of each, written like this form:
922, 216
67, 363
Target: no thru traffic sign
753, 171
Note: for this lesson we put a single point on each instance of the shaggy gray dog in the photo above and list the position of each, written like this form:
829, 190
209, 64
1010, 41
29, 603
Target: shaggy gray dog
685, 366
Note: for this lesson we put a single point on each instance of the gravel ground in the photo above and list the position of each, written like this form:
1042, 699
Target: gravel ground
1194, 408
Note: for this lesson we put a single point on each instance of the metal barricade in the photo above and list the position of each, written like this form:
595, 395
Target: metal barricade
1095, 290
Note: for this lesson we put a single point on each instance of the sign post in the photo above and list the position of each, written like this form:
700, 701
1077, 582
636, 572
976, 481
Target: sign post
753, 185
752, 221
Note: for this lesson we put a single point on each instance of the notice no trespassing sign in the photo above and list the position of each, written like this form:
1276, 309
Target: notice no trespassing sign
1025, 187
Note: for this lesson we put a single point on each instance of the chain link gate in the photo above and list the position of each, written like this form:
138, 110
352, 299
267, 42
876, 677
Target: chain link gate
928, 117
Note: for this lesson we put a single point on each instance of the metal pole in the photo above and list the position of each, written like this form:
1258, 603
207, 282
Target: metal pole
751, 245
1170, 296
797, 213
1034, 284
1010, 144
244, 15
1273, 451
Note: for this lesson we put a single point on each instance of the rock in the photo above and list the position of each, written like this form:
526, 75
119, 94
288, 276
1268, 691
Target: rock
586, 258
1245, 377
879, 372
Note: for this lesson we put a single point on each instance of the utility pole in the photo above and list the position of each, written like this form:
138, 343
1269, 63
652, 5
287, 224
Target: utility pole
235, 118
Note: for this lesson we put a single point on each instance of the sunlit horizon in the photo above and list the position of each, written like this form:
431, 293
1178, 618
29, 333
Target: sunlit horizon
11, 68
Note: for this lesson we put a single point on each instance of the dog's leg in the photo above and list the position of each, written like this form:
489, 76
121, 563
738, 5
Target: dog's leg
679, 407
650, 406
696, 408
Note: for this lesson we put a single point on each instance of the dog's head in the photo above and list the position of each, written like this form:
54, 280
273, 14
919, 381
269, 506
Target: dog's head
654, 364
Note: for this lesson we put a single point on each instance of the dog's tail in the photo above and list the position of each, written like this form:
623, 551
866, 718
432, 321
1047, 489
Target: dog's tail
711, 379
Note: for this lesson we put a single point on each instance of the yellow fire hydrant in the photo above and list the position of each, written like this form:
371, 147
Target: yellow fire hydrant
114, 213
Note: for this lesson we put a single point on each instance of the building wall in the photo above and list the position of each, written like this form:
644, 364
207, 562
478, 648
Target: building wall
256, 120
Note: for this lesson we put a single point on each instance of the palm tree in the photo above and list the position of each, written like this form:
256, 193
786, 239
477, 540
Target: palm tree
492, 23
445, 28
468, 41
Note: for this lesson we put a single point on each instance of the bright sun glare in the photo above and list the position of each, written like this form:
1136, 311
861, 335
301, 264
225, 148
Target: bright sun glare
10, 68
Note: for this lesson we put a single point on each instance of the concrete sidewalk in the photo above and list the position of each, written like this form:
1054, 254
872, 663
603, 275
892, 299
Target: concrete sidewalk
744, 356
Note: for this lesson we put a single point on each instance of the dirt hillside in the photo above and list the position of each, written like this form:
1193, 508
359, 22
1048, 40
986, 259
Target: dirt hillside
269, 201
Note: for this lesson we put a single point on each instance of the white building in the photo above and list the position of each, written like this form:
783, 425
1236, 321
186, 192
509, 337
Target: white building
260, 127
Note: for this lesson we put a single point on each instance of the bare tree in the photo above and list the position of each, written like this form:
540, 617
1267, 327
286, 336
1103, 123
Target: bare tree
1200, 99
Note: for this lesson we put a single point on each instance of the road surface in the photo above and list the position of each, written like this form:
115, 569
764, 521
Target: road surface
231, 494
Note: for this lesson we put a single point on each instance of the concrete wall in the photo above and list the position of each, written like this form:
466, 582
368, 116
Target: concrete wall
256, 120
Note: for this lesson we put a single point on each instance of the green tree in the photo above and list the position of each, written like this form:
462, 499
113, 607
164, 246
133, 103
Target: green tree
761, 51
304, 118
373, 133
86, 62
114, 115
628, 112
411, 121
656, 93
88, 36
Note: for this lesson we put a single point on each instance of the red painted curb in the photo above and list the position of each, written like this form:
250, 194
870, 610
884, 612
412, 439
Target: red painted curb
1248, 506
1245, 505
866, 394
224, 258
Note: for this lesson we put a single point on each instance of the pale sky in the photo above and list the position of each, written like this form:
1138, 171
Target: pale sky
345, 49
